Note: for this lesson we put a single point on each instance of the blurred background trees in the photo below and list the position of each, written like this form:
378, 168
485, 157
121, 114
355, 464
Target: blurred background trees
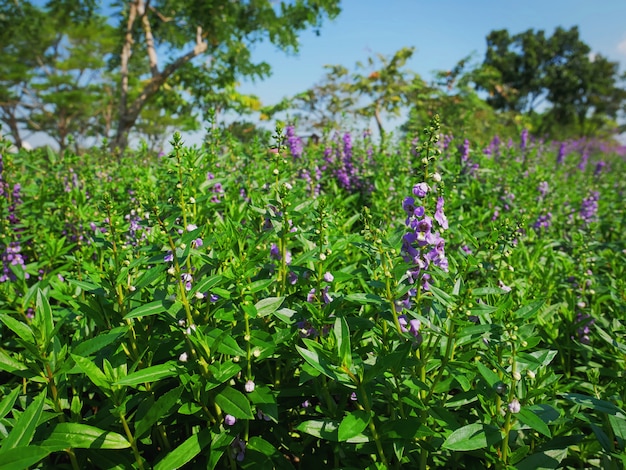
81, 71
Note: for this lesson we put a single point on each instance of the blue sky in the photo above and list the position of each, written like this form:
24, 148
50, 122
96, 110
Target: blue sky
442, 32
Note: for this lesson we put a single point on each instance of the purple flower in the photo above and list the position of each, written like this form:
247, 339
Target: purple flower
560, 158
230, 420
169, 257
238, 448
589, 207
249, 386
421, 189
328, 277
439, 215
514, 406
524, 139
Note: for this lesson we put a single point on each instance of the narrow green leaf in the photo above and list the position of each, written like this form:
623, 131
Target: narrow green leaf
318, 360
342, 334
265, 307
546, 460
260, 445
219, 444
259, 285
595, 404
93, 372
323, 429
529, 418
157, 411
88, 287
488, 291
529, 310
150, 374
43, 317
186, 451
363, 298
20, 329
24, 428
206, 284
8, 364
83, 436
97, 343
621, 347
235, 403
149, 276
8, 401
151, 308
471, 437
20, 458
490, 376
352, 425
619, 426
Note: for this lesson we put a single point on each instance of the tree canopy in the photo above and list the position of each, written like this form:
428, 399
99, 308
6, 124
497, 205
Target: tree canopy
175, 52
556, 78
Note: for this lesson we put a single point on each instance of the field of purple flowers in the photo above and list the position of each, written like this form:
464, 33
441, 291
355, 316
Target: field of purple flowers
442, 303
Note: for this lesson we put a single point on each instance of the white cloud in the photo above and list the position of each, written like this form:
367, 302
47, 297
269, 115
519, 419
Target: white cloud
621, 47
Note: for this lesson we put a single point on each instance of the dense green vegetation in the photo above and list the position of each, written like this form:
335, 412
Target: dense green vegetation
439, 303
450, 297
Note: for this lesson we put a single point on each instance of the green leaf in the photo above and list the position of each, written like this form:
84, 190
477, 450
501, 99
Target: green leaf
8, 364
471, 437
150, 374
529, 310
20, 458
8, 401
621, 347
353, 425
488, 291
43, 317
529, 418
157, 411
490, 376
317, 358
219, 444
261, 445
99, 342
88, 287
83, 436
321, 428
619, 426
546, 460
206, 284
20, 329
186, 451
268, 306
595, 403
151, 308
93, 372
363, 298
342, 334
259, 285
24, 428
235, 403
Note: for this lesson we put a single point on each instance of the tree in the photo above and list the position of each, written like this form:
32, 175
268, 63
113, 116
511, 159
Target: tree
580, 89
381, 85
221, 30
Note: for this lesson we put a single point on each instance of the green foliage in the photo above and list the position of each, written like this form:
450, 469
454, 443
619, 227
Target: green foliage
523, 71
229, 306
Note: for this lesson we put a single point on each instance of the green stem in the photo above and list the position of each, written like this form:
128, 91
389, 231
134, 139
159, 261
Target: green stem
132, 441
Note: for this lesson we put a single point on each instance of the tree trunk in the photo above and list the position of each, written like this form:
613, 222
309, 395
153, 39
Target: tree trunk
128, 114
14, 129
